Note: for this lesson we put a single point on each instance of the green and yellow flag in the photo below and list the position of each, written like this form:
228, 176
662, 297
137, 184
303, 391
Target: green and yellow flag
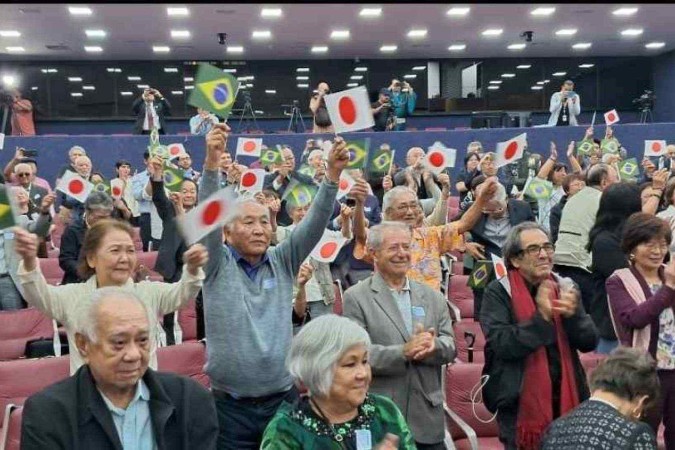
381, 161
609, 146
299, 194
584, 147
358, 153
7, 217
539, 189
173, 177
271, 156
307, 170
629, 169
480, 275
214, 90
102, 187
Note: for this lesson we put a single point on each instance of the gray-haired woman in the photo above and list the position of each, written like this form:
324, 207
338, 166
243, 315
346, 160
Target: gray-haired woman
330, 358
624, 386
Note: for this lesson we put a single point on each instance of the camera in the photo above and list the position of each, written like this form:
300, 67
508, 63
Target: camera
6, 98
645, 102
222, 37
527, 35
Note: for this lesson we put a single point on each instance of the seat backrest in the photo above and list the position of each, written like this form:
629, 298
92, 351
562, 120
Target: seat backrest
20, 326
460, 379
50, 268
590, 361
186, 359
187, 319
138, 243
462, 340
461, 295
21, 378
13, 441
148, 259
337, 306
453, 202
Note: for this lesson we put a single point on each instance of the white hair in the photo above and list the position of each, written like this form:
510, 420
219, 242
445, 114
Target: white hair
376, 233
315, 153
82, 158
17, 167
237, 209
74, 148
318, 347
391, 195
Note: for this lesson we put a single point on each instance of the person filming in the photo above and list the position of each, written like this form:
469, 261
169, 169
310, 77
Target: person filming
383, 113
565, 106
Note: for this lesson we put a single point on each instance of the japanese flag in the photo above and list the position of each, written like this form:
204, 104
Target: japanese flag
116, 188
209, 215
249, 146
345, 185
611, 117
175, 150
440, 157
501, 273
655, 148
328, 247
511, 150
252, 181
75, 186
350, 110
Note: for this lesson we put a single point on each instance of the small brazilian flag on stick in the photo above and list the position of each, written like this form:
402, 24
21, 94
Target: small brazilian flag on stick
584, 147
629, 169
609, 146
381, 161
7, 217
307, 170
358, 153
271, 156
480, 275
102, 187
173, 177
214, 90
539, 189
299, 194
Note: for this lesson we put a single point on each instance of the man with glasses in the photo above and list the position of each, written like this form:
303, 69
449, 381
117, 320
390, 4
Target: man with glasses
535, 325
23, 173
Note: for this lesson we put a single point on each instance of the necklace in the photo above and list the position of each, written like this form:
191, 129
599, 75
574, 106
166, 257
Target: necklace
336, 436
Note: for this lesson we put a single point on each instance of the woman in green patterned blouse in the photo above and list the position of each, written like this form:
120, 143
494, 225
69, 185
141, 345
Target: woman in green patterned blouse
330, 358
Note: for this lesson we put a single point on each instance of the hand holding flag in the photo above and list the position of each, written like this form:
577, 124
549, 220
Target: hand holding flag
214, 90
338, 159
510, 151
216, 140
655, 148
350, 110
209, 215
75, 186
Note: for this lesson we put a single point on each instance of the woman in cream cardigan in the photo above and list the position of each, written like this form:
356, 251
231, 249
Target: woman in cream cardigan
108, 259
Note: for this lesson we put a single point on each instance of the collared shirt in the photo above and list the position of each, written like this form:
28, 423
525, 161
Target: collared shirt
191, 173
4, 268
138, 183
250, 269
404, 303
545, 207
134, 424
201, 126
150, 109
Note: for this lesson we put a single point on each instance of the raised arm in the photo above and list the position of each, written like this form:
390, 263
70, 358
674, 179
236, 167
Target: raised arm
546, 168
473, 214
555, 102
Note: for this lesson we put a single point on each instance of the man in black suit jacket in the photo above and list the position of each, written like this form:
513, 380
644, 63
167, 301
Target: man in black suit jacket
24, 175
170, 412
150, 101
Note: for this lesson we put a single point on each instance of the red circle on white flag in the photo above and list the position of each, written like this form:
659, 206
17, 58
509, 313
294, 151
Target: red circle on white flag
211, 213
436, 159
344, 184
249, 179
174, 150
249, 146
76, 186
328, 249
500, 270
116, 191
656, 146
511, 150
347, 110
611, 117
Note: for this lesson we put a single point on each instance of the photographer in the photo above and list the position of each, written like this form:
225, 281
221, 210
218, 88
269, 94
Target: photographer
383, 113
22, 115
565, 106
150, 113
403, 100
317, 105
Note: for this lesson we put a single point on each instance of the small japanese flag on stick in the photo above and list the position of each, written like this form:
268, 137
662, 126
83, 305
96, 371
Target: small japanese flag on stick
345, 185
328, 247
116, 188
175, 150
510, 151
252, 181
655, 148
249, 146
440, 157
350, 110
206, 217
611, 117
75, 186
501, 272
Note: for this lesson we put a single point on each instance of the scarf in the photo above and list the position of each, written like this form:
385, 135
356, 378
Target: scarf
535, 411
640, 337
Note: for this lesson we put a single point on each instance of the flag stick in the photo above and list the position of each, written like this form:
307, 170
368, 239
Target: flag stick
391, 166
593, 120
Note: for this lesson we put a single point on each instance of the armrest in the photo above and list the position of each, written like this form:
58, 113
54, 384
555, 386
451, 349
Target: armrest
468, 431
5, 424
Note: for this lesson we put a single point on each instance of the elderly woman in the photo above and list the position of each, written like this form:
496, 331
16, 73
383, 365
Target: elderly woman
467, 173
330, 358
622, 386
70, 207
641, 299
108, 259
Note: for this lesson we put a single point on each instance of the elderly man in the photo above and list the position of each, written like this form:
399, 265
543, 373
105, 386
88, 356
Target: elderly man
24, 175
70, 207
19, 157
415, 172
75, 152
247, 298
316, 162
534, 325
411, 332
115, 401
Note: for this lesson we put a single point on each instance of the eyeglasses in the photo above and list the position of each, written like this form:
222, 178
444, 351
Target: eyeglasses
651, 246
535, 250
21, 175
403, 207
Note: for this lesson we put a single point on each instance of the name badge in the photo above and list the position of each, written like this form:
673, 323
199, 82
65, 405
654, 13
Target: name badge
418, 311
363, 440
400, 120
269, 283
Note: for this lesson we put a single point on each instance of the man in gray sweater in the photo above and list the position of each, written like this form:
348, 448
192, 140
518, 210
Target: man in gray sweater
247, 301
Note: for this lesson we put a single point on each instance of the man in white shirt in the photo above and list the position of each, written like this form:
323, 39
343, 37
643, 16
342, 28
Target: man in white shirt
150, 110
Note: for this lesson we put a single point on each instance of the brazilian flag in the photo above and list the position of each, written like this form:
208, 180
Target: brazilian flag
480, 275
381, 161
584, 147
358, 153
307, 170
102, 187
609, 146
173, 177
7, 218
271, 156
299, 194
539, 189
629, 169
214, 90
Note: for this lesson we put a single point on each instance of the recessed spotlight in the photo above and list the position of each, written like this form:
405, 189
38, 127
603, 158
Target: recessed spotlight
258, 111
189, 87
161, 49
235, 49
250, 78
113, 70
540, 83
76, 94
176, 92
417, 33
302, 69
134, 78
10, 33
360, 69
34, 88
547, 81
417, 68
270, 91
516, 46
586, 66
95, 33
537, 88
230, 70
93, 49
177, 11
544, 11
356, 77
566, 32
410, 76
249, 85
559, 74
339, 34
458, 11
126, 93
370, 12
582, 46
89, 88
171, 69
15, 49
303, 85
80, 10
180, 34
389, 48
352, 85
261, 34
302, 78
319, 49
624, 11
457, 47
75, 79
496, 81
493, 87
188, 79
508, 75
653, 45
270, 12
142, 86
492, 32
632, 32
524, 66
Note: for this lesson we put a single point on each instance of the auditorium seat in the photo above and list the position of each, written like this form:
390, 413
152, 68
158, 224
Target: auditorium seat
461, 295
148, 259
467, 431
20, 326
51, 270
590, 361
11, 430
453, 202
185, 359
337, 306
138, 243
187, 319
467, 332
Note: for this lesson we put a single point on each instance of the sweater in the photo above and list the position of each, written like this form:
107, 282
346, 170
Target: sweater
248, 322
576, 222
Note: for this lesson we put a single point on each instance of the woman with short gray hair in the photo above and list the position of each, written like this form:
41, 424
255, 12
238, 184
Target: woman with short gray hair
330, 358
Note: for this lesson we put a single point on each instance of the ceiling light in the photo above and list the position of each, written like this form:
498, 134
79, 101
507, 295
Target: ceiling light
142, 86
458, 11
566, 32
113, 70
303, 85
95, 33
230, 70
361, 69
582, 46
242, 78
419, 33
492, 32
250, 77
9, 33
586, 66
176, 92
249, 85
34, 88
370, 12
302, 69
89, 88
79, 10
302, 78
188, 79
632, 32
76, 94
516, 46
508, 75
416, 68
270, 91
177, 11
493, 87
49, 70
75, 79
235, 49
126, 93
537, 88
356, 77
171, 69
559, 74
319, 49
388, 48
161, 49
93, 49
496, 81
542, 11
15, 49
547, 81
653, 45
188, 87
180, 34
339, 34
410, 76
261, 34
9, 80
457, 47
524, 66
352, 85
134, 78
624, 11
241, 86
540, 83
258, 111
270, 12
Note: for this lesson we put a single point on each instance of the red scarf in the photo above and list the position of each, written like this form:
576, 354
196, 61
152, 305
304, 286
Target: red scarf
535, 411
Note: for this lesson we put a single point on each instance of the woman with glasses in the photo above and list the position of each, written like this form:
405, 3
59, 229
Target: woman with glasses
641, 299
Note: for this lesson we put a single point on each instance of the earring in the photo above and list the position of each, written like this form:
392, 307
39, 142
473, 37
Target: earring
636, 413
631, 257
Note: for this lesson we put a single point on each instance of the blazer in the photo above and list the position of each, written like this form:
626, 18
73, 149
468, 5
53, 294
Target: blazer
556, 104
72, 415
414, 386
36, 194
162, 107
519, 211
169, 261
69, 251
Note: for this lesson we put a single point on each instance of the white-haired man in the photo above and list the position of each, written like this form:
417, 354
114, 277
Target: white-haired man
316, 162
75, 152
115, 401
411, 332
23, 173
416, 174
247, 301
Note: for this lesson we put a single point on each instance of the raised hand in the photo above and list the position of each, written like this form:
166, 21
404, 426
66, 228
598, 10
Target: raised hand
216, 140
359, 191
26, 246
305, 273
47, 202
338, 158
387, 183
195, 258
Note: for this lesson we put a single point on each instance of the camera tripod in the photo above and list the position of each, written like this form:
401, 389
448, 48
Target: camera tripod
248, 114
646, 115
5, 114
296, 119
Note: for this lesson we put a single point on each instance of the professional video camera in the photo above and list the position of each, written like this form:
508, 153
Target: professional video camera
6, 98
645, 102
